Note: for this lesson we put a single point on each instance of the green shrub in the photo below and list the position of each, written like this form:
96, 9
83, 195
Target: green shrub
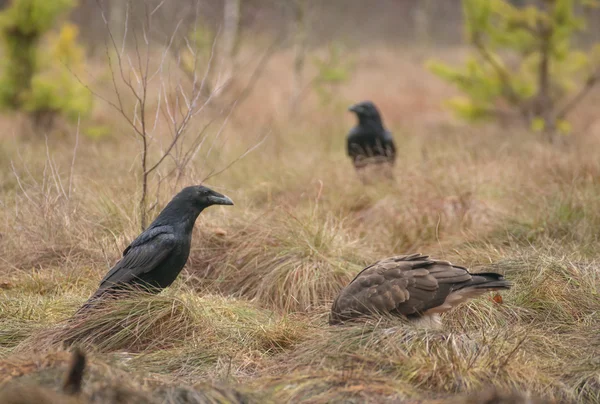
333, 70
33, 75
523, 63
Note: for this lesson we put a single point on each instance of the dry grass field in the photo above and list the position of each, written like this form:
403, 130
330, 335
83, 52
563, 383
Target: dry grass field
247, 319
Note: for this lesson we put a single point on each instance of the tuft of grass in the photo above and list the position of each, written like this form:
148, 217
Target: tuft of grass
142, 322
349, 385
14, 332
439, 363
108, 381
134, 323
211, 393
289, 261
560, 292
527, 342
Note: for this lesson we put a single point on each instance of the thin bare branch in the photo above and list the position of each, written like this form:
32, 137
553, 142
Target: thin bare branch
221, 129
31, 177
158, 108
72, 170
240, 157
157, 8
115, 47
176, 103
53, 171
589, 84
125, 29
21, 185
197, 144
500, 70
259, 69
208, 66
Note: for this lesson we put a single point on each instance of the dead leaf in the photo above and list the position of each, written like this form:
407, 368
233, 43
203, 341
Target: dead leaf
5, 285
220, 232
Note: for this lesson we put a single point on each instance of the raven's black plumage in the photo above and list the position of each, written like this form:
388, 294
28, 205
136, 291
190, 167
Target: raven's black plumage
369, 142
156, 257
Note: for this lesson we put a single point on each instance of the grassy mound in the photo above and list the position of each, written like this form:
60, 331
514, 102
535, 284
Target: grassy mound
37, 379
302, 227
421, 361
286, 261
144, 322
539, 339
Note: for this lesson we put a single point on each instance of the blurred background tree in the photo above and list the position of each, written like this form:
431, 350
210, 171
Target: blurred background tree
33, 78
524, 63
333, 70
527, 63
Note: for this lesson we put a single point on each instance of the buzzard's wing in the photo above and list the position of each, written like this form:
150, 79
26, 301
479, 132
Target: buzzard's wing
410, 285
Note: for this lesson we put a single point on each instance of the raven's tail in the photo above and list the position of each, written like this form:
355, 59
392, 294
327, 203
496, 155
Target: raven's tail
85, 307
92, 302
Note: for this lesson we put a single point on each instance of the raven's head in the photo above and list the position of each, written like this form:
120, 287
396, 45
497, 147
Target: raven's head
204, 197
365, 109
185, 207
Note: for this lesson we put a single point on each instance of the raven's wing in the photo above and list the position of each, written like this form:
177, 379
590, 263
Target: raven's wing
407, 285
144, 254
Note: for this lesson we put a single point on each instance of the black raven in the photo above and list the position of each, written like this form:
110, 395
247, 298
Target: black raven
156, 257
369, 142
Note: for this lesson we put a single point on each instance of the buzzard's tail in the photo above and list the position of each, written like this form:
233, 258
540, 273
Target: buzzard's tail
486, 281
478, 285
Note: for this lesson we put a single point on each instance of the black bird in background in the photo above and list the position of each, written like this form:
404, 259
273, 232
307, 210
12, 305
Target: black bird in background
369, 143
156, 257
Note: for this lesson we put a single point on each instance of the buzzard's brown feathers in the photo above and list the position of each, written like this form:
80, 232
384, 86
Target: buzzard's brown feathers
412, 286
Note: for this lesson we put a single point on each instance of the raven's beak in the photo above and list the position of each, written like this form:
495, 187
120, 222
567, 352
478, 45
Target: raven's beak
220, 200
354, 108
